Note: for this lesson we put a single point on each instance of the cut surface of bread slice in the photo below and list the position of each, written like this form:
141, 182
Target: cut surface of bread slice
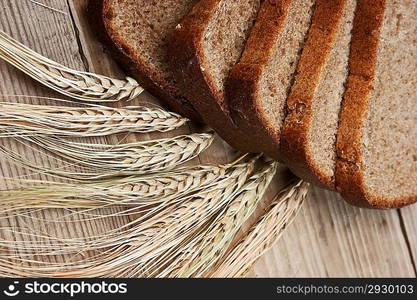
205, 46
137, 33
377, 137
308, 137
259, 84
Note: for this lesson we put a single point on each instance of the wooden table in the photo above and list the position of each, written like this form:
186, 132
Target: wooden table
328, 238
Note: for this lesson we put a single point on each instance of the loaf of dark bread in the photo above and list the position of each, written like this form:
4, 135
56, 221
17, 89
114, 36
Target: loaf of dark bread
137, 32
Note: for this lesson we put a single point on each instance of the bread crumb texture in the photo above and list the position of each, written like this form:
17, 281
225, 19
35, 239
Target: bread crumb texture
390, 133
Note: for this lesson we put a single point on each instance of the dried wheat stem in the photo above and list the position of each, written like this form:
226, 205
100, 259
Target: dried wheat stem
135, 191
264, 234
48, 7
135, 247
161, 227
103, 161
75, 84
204, 251
17, 119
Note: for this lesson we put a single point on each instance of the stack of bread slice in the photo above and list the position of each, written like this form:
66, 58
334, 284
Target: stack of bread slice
327, 87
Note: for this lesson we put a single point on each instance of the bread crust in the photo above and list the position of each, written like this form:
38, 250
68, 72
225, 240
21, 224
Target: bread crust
100, 12
242, 85
349, 165
294, 147
186, 55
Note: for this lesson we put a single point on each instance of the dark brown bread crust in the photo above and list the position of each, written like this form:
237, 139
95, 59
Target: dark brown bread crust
186, 52
294, 149
242, 84
364, 50
99, 13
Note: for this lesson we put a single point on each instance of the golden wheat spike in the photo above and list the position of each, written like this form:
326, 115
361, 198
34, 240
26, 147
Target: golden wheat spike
283, 210
225, 184
133, 247
103, 161
79, 85
204, 250
17, 119
137, 191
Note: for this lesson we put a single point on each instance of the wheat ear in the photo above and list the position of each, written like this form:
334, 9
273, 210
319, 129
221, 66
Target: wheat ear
136, 247
17, 119
264, 234
137, 191
104, 161
83, 86
209, 246
234, 177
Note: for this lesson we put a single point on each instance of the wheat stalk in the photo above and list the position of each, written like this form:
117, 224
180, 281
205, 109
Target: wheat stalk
103, 161
204, 250
233, 179
139, 245
48, 7
128, 254
79, 85
137, 191
264, 234
17, 119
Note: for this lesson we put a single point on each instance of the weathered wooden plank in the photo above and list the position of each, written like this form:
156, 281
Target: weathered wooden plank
332, 238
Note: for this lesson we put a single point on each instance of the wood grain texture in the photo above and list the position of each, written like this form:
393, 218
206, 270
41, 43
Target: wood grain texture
329, 237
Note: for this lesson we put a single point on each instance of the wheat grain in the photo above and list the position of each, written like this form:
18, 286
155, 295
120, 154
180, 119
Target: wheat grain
201, 253
79, 85
19, 119
264, 234
103, 161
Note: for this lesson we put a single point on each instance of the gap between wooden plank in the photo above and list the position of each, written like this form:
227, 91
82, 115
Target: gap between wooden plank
408, 230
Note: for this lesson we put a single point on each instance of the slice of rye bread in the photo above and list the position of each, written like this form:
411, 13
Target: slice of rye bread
205, 46
137, 32
258, 85
377, 137
308, 136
